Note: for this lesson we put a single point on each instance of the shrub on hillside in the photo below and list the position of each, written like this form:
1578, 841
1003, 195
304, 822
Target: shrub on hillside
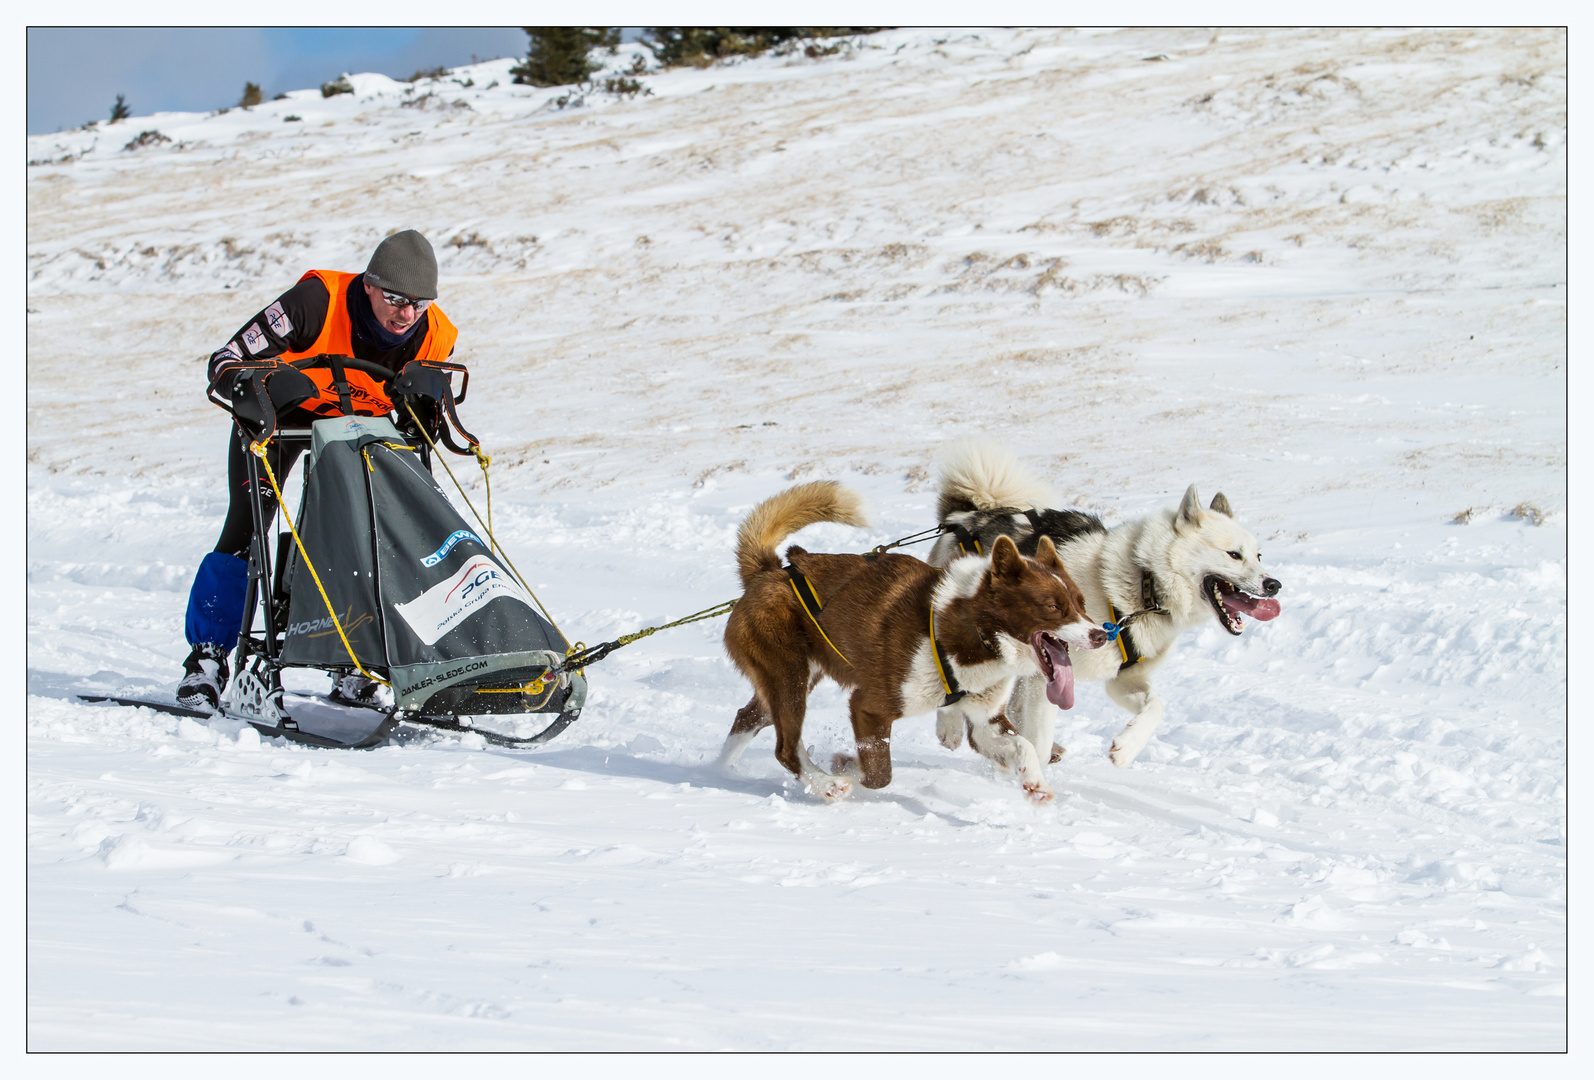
428, 73
340, 85
558, 55
147, 138
625, 86
252, 96
120, 110
700, 46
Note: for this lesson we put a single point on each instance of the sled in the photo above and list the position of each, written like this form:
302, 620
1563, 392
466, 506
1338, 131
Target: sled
397, 587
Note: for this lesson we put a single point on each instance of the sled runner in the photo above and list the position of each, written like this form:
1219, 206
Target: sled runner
379, 576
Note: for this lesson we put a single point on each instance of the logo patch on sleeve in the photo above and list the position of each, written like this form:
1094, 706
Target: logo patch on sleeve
457, 597
278, 320
254, 338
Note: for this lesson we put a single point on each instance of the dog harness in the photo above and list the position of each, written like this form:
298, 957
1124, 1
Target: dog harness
804, 591
969, 543
943, 667
810, 603
1148, 597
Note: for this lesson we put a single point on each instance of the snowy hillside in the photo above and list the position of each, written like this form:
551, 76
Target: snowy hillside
1322, 272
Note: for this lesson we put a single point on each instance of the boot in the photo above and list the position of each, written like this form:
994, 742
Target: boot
355, 689
204, 678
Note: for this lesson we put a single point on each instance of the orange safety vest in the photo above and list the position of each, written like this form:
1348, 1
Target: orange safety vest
336, 338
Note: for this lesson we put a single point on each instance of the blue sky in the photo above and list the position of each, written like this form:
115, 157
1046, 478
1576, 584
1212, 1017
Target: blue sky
75, 73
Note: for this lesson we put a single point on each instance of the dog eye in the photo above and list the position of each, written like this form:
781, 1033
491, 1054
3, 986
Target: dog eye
1234, 555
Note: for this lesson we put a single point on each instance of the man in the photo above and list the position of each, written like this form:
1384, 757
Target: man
386, 315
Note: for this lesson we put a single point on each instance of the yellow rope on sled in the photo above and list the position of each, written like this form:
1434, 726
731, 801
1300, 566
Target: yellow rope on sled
579, 648
707, 613
549, 678
487, 526
487, 482
259, 450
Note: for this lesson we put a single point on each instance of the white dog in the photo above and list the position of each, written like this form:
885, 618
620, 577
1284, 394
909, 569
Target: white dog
1155, 577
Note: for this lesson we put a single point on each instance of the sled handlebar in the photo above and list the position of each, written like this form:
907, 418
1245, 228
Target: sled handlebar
257, 391
326, 360
410, 384
429, 382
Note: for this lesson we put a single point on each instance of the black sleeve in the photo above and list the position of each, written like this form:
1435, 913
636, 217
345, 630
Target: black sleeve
290, 324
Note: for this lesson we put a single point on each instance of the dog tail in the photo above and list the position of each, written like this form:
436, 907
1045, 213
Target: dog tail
980, 474
778, 516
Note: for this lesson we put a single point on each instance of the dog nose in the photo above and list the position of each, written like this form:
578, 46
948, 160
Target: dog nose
1098, 638
1271, 586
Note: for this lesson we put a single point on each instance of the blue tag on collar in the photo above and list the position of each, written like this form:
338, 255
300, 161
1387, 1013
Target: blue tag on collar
1112, 629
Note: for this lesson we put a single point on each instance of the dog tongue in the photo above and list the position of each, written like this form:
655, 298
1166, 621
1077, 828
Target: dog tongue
1258, 608
1060, 688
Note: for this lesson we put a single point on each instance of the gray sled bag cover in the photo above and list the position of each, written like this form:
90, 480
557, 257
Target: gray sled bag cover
419, 595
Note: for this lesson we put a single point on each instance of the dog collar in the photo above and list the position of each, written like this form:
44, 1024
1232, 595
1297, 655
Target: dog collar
943, 667
1148, 592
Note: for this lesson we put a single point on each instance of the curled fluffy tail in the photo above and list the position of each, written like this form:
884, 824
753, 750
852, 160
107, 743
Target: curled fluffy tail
779, 516
979, 474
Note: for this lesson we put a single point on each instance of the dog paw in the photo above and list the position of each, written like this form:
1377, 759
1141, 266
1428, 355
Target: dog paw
949, 730
846, 765
1057, 754
1039, 792
831, 788
1130, 741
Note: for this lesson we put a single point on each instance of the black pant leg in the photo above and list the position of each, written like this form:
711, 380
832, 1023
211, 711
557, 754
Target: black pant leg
238, 528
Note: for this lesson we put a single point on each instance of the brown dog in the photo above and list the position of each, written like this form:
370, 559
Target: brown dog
867, 624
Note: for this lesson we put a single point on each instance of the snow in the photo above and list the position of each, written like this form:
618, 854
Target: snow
1322, 272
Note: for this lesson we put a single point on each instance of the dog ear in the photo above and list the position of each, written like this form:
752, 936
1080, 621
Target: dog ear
1006, 562
1221, 505
1046, 553
1190, 509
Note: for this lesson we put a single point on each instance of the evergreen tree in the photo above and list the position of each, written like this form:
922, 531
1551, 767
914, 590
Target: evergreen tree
558, 54
702, 45
120, 110
252, 95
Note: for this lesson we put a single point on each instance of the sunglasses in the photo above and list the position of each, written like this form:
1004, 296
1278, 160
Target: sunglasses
399, 300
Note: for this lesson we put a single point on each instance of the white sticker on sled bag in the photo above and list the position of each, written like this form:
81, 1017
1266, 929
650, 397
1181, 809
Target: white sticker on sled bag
465, 592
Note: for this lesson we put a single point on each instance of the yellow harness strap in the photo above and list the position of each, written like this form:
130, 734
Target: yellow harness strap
954, 693
1113, 615
810, 603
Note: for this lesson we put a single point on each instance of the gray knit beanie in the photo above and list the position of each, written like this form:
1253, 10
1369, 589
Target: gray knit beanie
404, 263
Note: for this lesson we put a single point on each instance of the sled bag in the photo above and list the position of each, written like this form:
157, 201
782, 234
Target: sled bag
417, 590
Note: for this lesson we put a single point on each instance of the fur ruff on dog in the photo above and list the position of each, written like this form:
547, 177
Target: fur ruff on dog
994, 620
1198, 562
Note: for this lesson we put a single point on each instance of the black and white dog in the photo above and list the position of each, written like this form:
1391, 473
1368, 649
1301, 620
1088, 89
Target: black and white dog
1156, 576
